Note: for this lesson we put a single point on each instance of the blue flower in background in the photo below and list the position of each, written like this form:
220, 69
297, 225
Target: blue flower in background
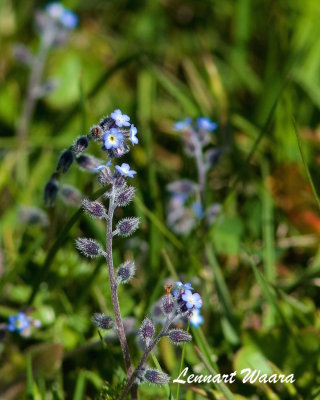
181, 125
186, 286
207, 124
192, 300
62, 14
133, 133
197, 209
69, 19
197, 319
124, 169
18, 323
55, 10
120, 119
113, 139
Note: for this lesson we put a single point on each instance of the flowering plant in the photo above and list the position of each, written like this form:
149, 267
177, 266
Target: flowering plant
116, 134
187, 198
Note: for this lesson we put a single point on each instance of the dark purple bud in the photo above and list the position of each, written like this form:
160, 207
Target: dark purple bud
80, 145
156, 377
146, 331
105, 177
32, 216
89, 247
125, 196
70, 195
125, 227
212, 157
103, 321
94, 208
179, 336
119, 182
125, 272
97, 133
50, 192
107, 123
88, 162
65, 161
167, 304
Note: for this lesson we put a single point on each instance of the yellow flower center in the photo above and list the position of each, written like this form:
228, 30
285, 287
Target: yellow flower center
112, 138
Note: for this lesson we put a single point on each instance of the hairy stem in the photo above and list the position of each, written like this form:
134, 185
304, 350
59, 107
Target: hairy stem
146, 355
114, 296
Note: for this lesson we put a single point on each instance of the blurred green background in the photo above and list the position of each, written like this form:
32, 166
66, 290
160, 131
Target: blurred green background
254, 67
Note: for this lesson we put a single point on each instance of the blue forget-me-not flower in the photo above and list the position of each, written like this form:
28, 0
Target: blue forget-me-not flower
124, 169
113, 139
120, 119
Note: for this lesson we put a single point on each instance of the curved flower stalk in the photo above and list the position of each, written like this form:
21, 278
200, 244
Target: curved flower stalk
187, 198
53, 25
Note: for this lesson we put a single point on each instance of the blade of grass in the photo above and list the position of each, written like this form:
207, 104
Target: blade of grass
224, 297
145, 98
29, 391
160, 226
222, 387
176, 89
80, 386
264, 130
268, 293
314, 190
268, 253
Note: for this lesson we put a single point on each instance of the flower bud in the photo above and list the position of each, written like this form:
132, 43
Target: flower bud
125, 196
65, 161
70, 195
105, 177
212, 157
119, 182
167, 304
125, 272
179, 336
103, 321
126, 226
88, 162
146, 330
94, 208
88, 247
50, 192
80, 145
107, 123
156, 377
32, 216
97, 133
